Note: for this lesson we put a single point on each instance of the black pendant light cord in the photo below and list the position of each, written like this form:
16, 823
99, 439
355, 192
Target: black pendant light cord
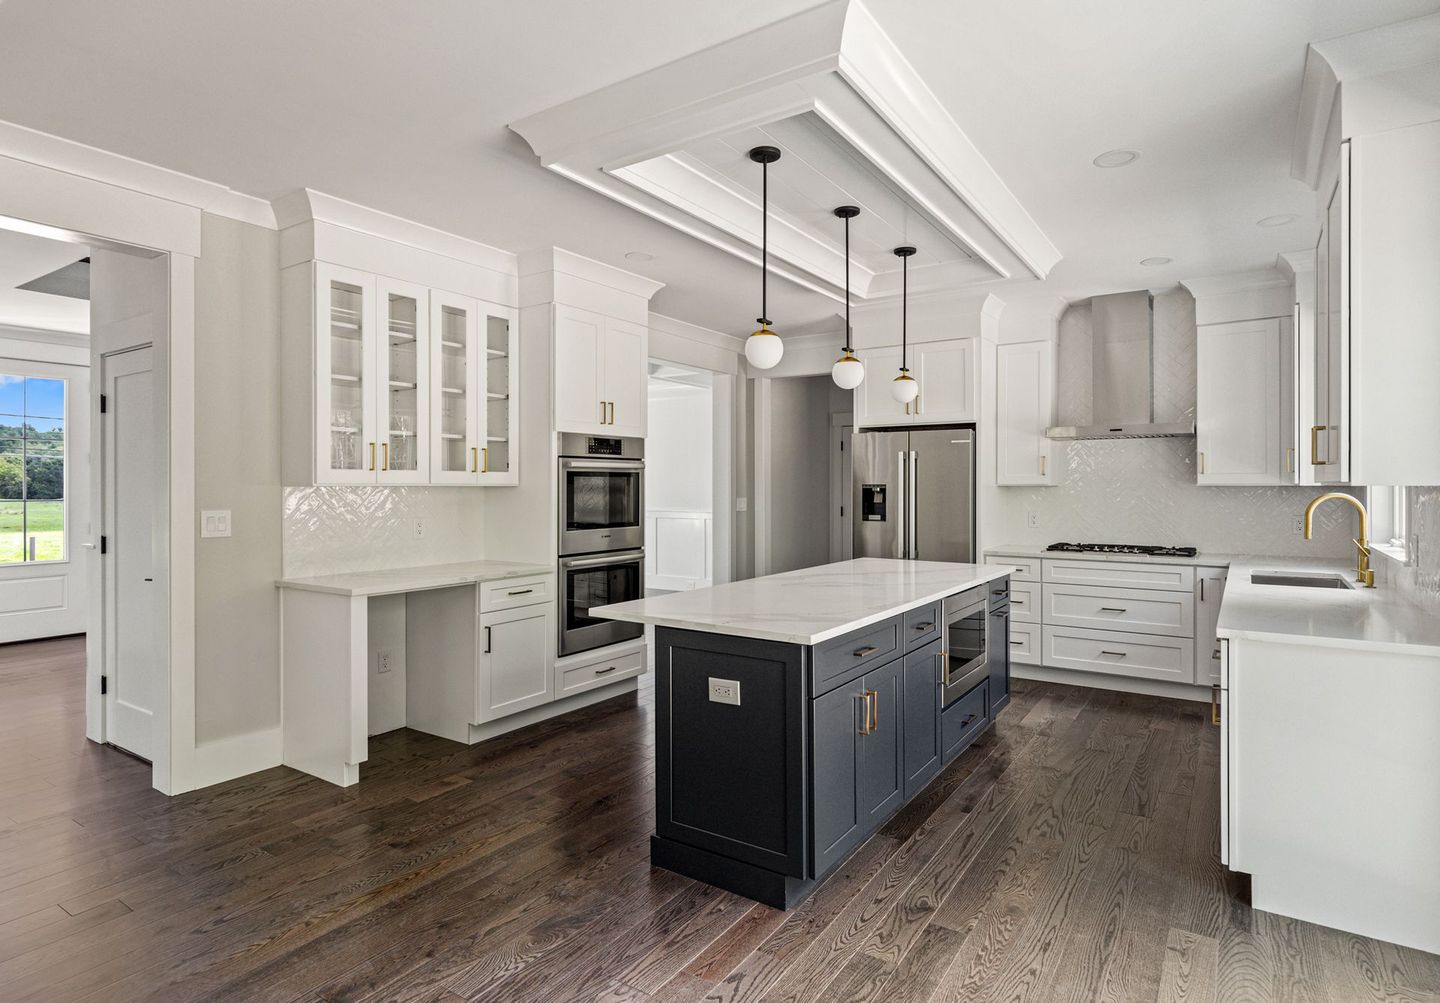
904, 310
763, 319
847, 285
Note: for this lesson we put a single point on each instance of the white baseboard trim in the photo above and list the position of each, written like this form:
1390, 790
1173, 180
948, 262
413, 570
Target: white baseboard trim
228, 758
1121, 684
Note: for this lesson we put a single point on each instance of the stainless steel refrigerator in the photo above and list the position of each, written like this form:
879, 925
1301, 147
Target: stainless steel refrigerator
914, 494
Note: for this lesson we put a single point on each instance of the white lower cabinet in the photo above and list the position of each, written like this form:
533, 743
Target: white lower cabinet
1024, 640
513, 673
573, 678
1144, 656
1209, 591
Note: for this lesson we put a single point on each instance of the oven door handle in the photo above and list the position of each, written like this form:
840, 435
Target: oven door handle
622, 557
616, 466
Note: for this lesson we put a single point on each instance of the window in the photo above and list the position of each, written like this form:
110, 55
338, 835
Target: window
1388, 509
32, 469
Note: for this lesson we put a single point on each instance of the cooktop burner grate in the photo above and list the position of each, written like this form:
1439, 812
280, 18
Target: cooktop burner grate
1138, 549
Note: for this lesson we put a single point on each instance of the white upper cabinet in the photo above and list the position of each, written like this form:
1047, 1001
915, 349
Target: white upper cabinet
345, 418
1328, 448
1024, 405
404, 384
403, 379
949, 381
873, 403
948, 377
1238, 404
600, 373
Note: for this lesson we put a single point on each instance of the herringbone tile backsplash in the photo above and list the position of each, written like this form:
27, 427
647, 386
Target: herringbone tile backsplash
1144, 490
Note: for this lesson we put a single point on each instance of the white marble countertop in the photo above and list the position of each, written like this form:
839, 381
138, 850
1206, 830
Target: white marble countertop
434, 576
809, 605
1378, 619
1038, 550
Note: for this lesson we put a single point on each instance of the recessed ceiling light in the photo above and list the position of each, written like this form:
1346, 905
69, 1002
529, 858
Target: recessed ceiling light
1281, 220
1152, 262
1116, 158
638, 256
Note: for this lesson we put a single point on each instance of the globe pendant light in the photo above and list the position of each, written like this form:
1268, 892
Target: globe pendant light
763, 348
904, 388
848, 371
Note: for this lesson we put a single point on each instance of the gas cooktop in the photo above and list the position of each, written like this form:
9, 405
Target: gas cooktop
1123, 548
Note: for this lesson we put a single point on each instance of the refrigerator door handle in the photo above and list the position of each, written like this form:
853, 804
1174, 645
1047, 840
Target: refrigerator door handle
914, 551
900, 506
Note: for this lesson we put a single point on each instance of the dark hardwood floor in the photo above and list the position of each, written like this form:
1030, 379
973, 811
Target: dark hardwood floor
1070, 855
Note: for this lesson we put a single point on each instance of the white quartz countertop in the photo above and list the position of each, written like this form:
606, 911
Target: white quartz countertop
1361, 618
433, 576
809, 605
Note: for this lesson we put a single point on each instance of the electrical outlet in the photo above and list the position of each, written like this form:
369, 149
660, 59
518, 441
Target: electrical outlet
725, 691
741, 504
1298, 524
1032, 519
419, 529
385, 659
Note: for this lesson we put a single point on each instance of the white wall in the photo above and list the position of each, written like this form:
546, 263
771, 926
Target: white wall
797, 464
237, 467
679, 451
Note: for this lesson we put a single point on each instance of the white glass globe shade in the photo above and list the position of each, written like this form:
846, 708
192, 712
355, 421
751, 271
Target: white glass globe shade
904, 388
848, 372
763, 349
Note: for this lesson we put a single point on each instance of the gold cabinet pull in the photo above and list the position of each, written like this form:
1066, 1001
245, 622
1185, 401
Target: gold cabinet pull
372, 456
602, 412
474, 460
612, 412
875, 712
1215, 705
1202, 463
864, 697
385, 451
1289, 459
485, 460
1042, 464
1315, 431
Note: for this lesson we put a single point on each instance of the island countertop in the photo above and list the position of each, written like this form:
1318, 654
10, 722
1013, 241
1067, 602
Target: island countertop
809, 605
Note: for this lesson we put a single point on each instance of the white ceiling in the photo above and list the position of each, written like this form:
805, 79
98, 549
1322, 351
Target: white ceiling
23, 258
404, 107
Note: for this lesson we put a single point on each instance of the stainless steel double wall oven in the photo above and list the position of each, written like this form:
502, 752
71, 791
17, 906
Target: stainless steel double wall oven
602, 536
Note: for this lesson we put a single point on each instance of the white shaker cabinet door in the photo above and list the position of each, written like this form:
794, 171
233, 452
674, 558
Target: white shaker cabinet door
516, 653
1024, 390
1237, 412
948, 385
579, 357
874, 404
625, 377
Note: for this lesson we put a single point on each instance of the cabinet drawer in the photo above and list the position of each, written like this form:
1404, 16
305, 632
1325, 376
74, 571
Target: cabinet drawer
1025, 569
837, 659
512, 592
580, 678
1024, 602
1142, 656
1121, 574
1024, 641
963, 720
1140, 611
922, 625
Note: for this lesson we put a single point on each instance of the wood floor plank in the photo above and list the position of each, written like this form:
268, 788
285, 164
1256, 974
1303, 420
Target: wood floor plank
1192, 963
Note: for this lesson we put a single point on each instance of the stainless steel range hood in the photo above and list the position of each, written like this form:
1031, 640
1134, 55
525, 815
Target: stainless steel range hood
1123, 373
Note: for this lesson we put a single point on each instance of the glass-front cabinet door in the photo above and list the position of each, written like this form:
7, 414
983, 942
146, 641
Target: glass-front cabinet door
501, 425
404, 383
458, 380
345, 364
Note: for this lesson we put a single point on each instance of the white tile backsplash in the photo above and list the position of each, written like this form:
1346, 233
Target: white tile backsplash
330, 530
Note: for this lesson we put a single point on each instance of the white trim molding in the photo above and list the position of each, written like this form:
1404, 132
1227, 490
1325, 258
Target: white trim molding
834, 66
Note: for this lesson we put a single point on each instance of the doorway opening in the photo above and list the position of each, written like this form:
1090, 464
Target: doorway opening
83, 476
680, 505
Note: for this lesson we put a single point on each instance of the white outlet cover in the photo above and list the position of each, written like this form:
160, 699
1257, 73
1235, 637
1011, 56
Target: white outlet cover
419, 529
725, 691
214, 523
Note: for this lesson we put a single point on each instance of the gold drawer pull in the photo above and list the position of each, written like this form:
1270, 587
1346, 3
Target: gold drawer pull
865, 652
925, 626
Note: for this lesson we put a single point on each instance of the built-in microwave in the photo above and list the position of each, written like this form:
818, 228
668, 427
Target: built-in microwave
966, 656
598, 580
602, 493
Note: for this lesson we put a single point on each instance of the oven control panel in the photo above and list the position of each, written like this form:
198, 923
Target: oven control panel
597, 446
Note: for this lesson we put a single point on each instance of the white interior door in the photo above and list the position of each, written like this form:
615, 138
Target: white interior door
133, 673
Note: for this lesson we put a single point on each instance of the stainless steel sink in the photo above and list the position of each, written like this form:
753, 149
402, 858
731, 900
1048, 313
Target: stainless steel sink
1301, 579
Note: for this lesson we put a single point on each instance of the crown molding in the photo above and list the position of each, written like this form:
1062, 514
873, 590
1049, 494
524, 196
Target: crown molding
557, 259
44, 336
92, 163
693, 332
1293, 263
628, 141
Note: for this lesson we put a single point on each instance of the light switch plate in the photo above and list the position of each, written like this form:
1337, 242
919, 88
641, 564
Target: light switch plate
742, 504
214, 523
725, 691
